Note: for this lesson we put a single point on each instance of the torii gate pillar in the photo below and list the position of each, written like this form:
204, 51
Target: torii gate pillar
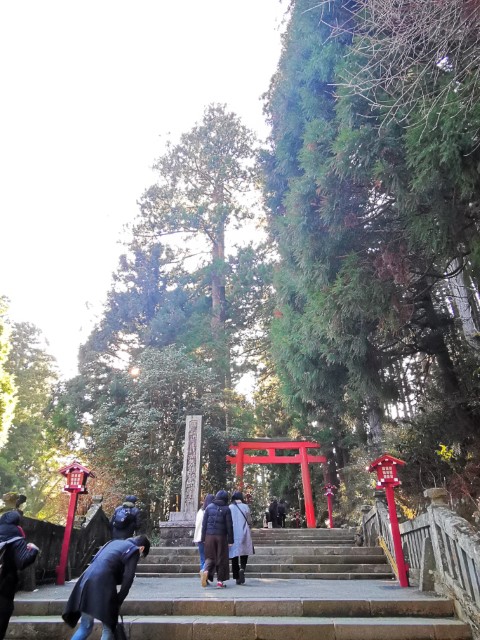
240, 459
307, 489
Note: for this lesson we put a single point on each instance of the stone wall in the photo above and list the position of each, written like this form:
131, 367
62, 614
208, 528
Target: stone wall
176, 535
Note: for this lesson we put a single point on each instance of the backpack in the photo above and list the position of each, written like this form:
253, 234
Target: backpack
3, 550
122, 517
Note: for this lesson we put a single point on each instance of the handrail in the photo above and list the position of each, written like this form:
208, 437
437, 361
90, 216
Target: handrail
382, 543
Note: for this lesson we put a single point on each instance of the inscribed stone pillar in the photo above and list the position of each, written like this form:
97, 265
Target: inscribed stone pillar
191, 471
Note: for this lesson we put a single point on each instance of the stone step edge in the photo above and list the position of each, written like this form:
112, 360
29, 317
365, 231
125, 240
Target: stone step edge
264, 558
284, 576
297, 607
279, 551
262, 567
300, 533
296, 566
149, 627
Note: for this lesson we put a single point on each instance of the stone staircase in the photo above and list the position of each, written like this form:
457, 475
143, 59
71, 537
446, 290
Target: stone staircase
320, 554
262, 610
267, 607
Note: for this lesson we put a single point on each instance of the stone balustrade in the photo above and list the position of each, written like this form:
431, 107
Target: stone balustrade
89, 533
441, 549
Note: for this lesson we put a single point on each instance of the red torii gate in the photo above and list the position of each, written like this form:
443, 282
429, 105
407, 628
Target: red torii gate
303, 458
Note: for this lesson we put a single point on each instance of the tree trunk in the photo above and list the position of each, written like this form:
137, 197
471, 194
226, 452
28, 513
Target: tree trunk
461, 295
374, 418
219, 307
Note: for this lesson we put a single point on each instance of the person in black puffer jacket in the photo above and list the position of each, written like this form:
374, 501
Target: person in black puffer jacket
18, 555
217, 534
131, 525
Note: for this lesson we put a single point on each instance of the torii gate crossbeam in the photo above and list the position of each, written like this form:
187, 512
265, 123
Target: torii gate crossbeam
240, 459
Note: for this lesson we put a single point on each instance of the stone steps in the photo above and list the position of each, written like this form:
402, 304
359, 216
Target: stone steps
256, 619
254, 628
306, 550
267, 607
387, 575
317, 537
245, 606
280, 562
264, 558
274, 570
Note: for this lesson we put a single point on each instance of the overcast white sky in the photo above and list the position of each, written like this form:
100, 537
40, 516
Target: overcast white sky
88, 92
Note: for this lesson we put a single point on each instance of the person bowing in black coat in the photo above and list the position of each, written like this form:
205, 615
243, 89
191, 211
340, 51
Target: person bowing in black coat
95, 593
18, 555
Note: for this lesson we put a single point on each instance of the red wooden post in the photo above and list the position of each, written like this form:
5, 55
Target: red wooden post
329, 488
240, 455
386, 468
307, 489
397, 541
330, 515
62, 567
76, 479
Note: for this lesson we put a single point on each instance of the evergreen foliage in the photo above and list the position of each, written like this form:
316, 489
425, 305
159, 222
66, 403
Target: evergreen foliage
7, 388
359, 316
36, 443
137, 431
376, 222
205, 187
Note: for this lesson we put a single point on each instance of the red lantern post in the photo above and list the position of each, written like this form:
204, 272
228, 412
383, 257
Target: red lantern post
76, 479
329, 489
387, 478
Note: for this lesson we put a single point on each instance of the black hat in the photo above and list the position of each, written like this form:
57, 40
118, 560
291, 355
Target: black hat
131, 499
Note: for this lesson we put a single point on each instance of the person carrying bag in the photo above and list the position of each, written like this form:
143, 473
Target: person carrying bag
242, 545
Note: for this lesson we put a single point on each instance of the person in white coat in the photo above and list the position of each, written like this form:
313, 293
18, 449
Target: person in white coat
242, 546
197, 536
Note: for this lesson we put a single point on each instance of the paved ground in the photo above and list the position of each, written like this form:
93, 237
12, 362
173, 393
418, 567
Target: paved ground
175, 588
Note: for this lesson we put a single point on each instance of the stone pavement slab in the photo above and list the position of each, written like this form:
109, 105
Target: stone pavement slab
261, 588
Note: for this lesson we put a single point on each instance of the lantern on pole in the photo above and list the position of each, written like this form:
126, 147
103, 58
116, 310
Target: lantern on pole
387, 479
76, 476
329, 489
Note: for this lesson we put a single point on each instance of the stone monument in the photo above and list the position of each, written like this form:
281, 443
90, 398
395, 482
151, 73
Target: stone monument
180, 526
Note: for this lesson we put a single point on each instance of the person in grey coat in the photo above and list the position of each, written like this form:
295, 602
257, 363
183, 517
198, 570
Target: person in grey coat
242, 538
95, 593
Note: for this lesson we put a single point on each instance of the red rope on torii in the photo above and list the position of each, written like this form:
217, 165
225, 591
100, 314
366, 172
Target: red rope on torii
303, 458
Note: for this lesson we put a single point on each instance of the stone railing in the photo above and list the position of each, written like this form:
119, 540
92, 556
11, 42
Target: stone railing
89, 533
441, 549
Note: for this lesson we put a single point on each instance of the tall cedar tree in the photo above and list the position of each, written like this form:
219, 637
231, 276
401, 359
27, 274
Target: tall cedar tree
372, 227
204, 184
327, 363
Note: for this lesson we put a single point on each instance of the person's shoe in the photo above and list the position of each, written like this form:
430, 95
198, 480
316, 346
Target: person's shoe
241, 577
204, 578
238, 581
221, 585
